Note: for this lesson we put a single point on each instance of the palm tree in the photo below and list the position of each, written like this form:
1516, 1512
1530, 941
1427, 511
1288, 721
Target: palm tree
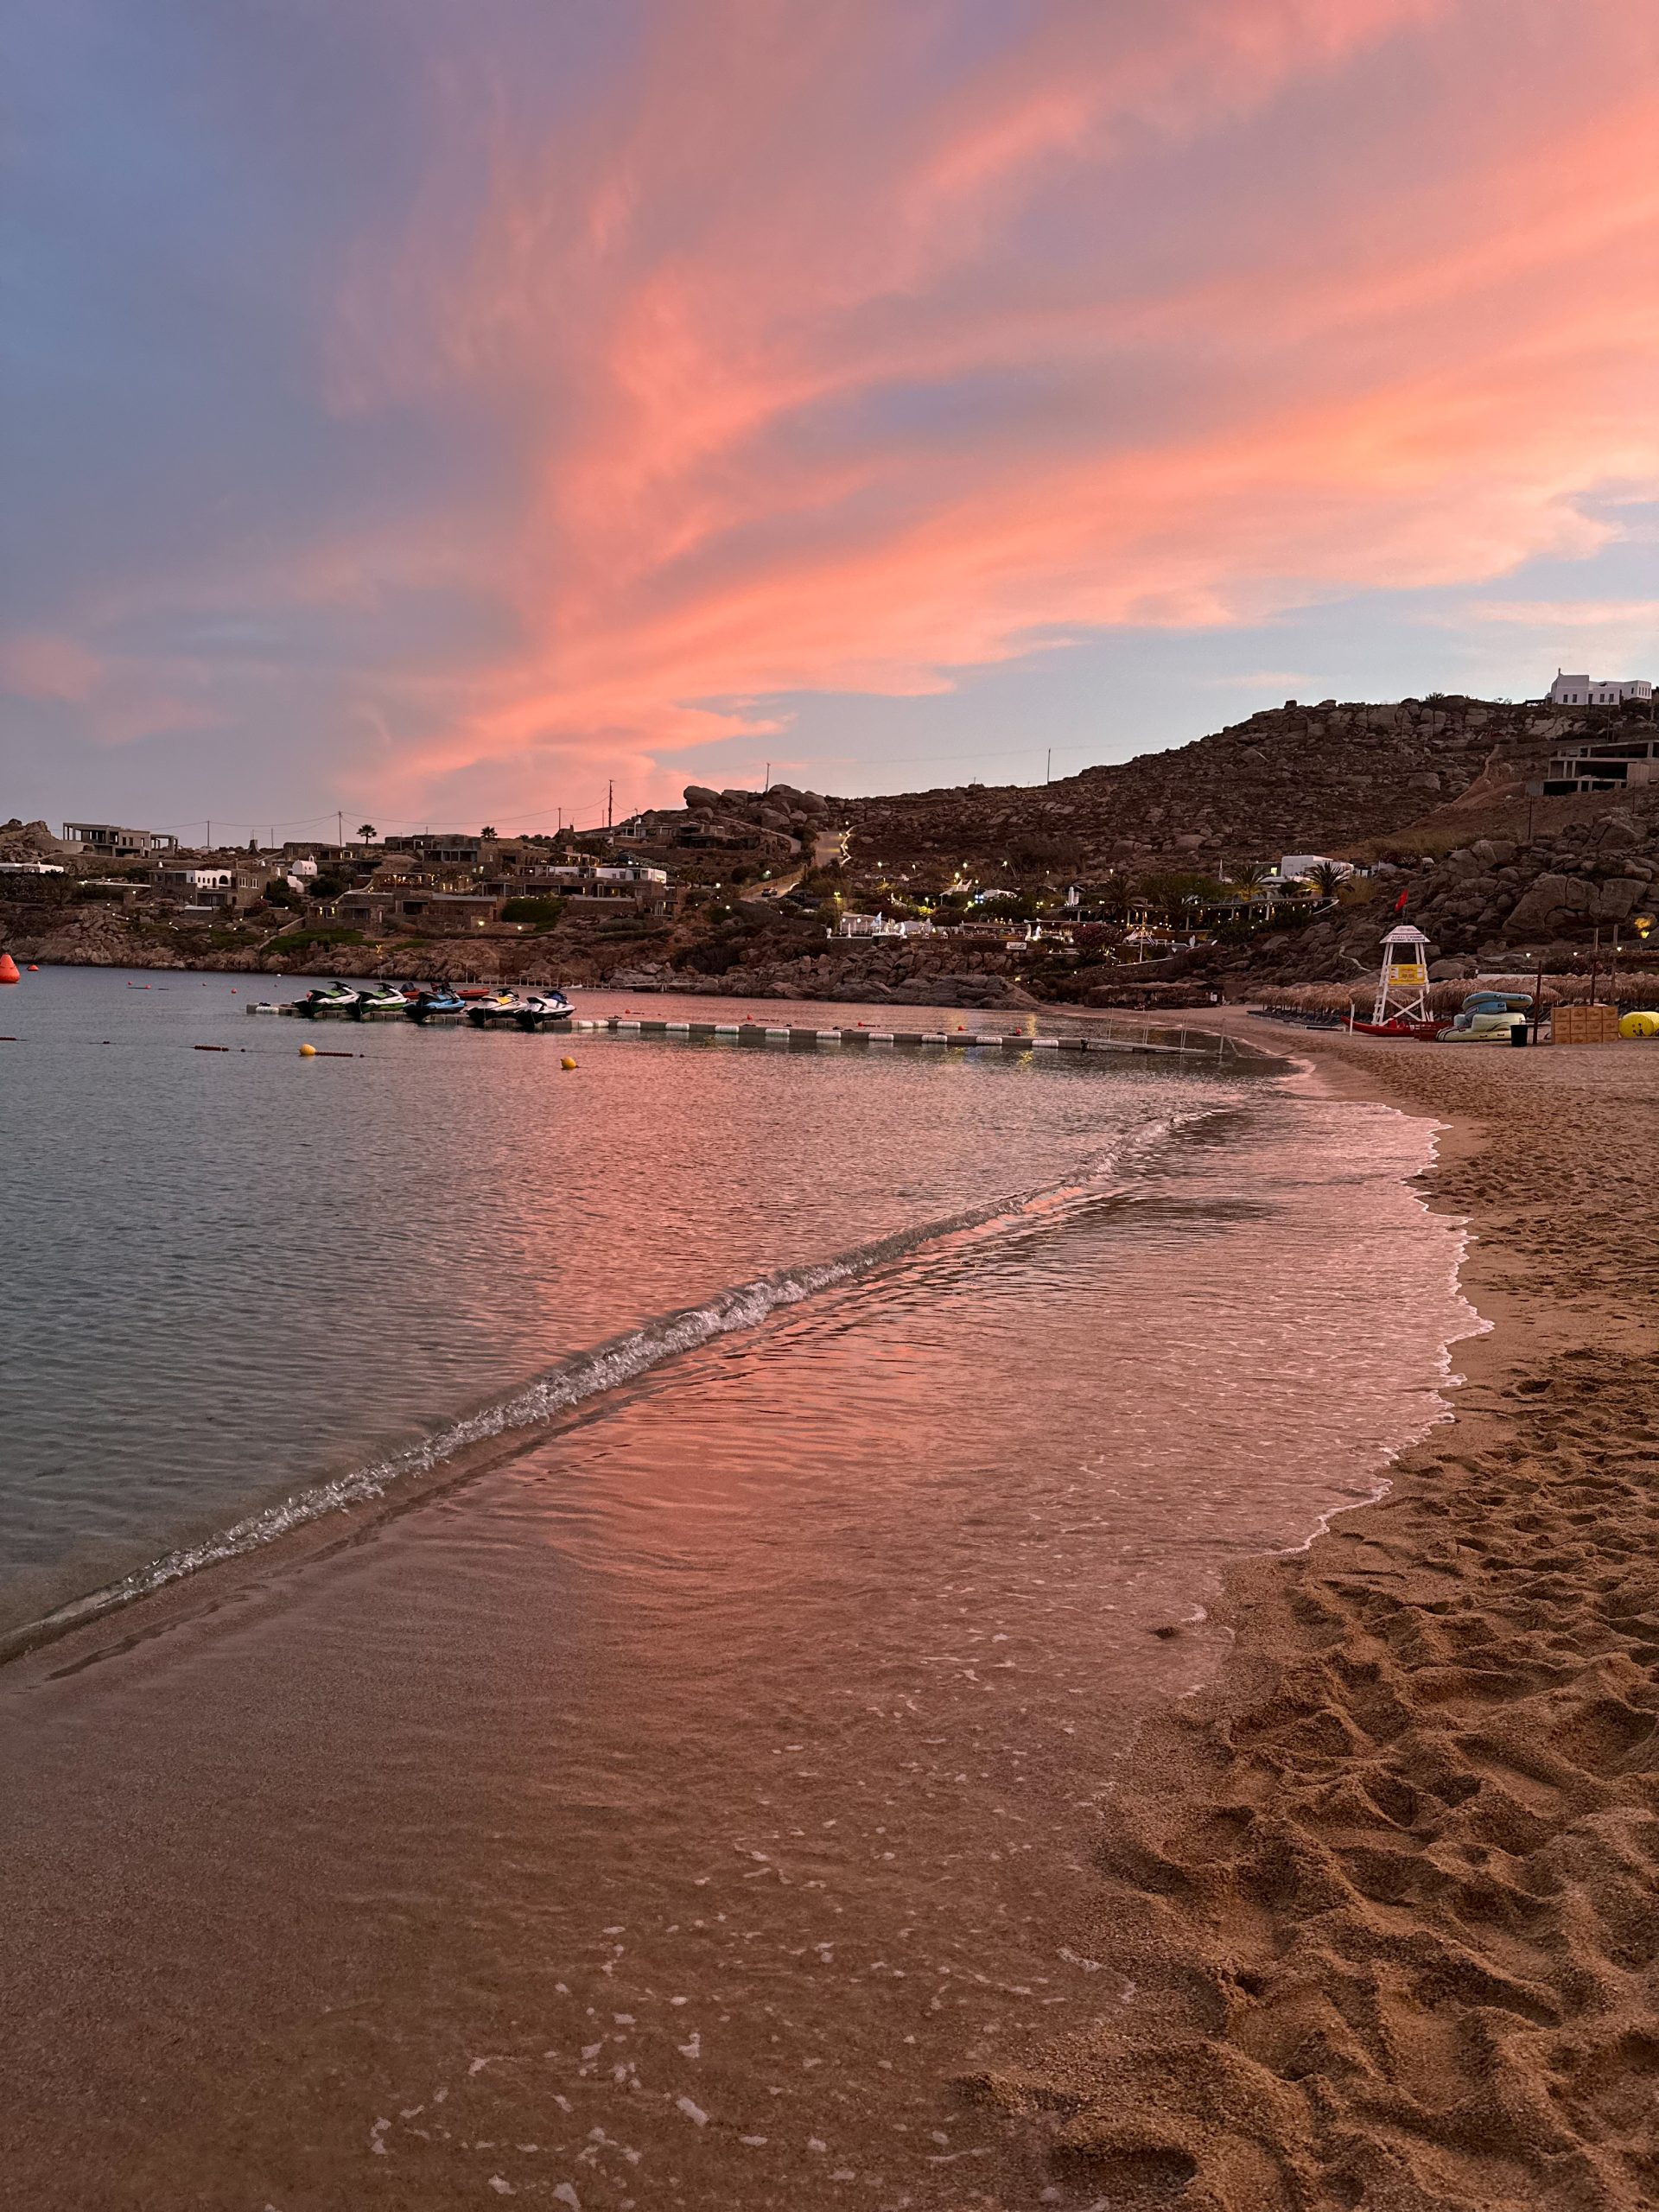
367, 831
1328, 878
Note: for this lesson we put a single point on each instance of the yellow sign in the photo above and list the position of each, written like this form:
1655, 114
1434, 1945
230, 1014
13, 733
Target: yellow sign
1407, 975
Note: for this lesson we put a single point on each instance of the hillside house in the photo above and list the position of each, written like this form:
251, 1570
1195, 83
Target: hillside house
218, 887
1294, 867
442, 849
111, 842
1598, 690
605, 887
882, 925
1617, 765
414, 906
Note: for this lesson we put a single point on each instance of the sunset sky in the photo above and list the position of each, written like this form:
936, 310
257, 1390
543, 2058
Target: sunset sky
432, 409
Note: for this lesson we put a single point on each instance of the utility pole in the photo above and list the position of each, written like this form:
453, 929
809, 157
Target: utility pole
766, 786
340, 828
610, 796
1048, 766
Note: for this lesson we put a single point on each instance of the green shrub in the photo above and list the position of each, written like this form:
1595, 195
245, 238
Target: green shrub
543, 913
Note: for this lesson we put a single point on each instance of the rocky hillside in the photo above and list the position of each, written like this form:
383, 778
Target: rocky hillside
1294, 778
1430, 793
1497, 902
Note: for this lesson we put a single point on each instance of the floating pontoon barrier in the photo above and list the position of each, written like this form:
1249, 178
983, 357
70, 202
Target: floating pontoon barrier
800, 1038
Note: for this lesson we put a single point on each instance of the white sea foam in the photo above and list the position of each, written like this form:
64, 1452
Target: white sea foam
622, 1359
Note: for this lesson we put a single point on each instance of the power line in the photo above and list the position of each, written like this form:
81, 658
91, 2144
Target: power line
401, 826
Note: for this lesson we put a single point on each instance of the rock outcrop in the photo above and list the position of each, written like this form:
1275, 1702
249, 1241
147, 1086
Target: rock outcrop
1291, 778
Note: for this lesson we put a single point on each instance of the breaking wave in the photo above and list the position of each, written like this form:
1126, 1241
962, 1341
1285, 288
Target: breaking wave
583, 1375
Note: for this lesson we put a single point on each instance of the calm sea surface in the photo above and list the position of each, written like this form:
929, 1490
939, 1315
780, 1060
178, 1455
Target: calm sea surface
668, 1808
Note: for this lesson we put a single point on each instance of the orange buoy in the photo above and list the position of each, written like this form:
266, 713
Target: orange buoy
567, 1063
8, 970
34, 967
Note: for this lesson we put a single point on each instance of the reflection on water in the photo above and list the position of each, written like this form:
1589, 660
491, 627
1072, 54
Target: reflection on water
234, 1274
669, 1815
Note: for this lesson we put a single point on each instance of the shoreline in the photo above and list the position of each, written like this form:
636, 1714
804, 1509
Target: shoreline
1378, 1896
1247, 1896
367, 1751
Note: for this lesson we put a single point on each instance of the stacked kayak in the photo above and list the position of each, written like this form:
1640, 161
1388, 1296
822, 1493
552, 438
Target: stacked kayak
1490, 1018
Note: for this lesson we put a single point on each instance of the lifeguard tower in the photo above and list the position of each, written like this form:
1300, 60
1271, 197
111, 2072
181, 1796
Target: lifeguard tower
1402, 986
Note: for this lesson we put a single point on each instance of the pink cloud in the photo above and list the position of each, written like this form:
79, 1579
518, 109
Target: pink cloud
835, 351
40, 665
115, 702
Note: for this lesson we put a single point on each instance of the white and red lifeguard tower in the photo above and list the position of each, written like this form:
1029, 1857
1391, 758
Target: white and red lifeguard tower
1402, 986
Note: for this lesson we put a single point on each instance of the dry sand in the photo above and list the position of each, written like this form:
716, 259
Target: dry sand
1386, 1892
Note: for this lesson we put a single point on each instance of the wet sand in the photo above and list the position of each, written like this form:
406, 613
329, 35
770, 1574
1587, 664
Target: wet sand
1382, 1899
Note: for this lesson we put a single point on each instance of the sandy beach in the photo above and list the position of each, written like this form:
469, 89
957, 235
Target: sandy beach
1380, 1903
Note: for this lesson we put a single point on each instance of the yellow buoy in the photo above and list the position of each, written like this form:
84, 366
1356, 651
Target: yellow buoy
1640, 1024
567, 1062
307, 1051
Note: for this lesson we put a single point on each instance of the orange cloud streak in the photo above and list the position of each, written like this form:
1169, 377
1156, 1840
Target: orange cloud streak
832, 352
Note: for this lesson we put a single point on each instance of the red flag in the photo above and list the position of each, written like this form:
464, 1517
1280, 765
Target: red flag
1400, 903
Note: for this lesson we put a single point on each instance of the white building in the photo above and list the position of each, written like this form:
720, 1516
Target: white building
882, 925
1293, 867
200, 887
602, 872
1596, 690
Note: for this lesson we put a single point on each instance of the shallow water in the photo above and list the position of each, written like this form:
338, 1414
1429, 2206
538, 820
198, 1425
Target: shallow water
233, 1273
670, 1813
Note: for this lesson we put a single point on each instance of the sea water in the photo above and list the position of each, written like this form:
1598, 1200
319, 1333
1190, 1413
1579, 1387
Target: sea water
671, 1809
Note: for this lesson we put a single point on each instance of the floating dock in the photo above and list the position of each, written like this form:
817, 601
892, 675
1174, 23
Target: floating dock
797, 1037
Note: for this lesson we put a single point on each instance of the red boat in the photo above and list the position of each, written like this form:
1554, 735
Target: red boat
1425, 1032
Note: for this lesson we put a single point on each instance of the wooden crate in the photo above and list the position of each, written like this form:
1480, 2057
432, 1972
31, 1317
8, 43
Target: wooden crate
1585, 1025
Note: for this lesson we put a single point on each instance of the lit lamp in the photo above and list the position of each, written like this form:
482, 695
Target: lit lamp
1642, 924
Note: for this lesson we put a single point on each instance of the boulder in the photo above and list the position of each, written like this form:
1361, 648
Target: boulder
967, 991
700, 795
1544, 907
1616, 898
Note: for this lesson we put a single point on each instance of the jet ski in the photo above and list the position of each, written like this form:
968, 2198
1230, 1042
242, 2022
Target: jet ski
380, 1003
335, 999
545, 1010
437, 1002
494, 1009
